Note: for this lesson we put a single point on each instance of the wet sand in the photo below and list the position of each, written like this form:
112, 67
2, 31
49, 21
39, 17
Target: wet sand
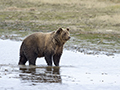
77, 71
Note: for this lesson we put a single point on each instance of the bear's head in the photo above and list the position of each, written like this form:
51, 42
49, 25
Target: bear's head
62, 35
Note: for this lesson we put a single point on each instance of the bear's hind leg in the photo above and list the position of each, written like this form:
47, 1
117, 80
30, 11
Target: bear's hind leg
22, 60
32, 59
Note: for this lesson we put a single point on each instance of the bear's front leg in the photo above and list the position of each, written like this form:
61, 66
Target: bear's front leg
48, 59
56, 59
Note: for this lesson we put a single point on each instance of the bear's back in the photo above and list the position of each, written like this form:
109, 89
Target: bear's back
37, 39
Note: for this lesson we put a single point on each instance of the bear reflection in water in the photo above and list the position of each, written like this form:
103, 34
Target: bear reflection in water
41, 75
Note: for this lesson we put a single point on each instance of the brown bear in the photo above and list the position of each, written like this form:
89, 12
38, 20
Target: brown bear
48, 45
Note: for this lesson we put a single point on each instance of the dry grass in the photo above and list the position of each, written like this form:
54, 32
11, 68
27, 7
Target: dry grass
79, 15
110, 18
87, 3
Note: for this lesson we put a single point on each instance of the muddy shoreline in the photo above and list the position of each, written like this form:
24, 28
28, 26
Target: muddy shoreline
86, 46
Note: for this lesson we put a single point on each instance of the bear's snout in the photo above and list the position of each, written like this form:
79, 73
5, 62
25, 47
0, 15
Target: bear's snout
69, 38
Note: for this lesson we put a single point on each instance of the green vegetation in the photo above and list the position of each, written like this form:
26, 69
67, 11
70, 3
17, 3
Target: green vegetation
93, 23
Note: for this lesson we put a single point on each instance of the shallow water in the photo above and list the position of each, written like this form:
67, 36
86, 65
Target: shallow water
77, 71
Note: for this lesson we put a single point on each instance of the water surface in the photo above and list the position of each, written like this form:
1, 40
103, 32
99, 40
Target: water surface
77, 71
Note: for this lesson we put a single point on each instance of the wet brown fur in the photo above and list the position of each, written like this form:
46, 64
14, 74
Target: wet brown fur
48, 45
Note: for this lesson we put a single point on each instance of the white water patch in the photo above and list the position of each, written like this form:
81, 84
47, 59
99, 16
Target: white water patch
78, 71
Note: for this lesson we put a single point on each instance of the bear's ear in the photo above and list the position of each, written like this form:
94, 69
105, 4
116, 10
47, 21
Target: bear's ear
59, 30
68, 29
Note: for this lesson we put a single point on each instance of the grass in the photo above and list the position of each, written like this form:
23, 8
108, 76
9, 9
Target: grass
80, 15
93, 21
